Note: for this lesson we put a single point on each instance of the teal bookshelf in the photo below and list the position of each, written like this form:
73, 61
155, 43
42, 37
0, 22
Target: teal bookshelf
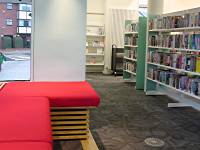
135, 52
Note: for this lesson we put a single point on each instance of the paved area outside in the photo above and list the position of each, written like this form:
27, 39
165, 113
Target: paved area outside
16, 66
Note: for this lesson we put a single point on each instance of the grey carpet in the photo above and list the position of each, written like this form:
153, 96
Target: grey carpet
127, 117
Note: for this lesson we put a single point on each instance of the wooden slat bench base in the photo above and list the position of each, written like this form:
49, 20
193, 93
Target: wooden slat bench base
70, 123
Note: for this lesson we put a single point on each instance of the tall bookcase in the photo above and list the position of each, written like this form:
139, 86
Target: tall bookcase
173, 54
95, 48
134, 51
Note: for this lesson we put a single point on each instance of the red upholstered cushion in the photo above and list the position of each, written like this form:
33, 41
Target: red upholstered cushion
60, 94
24, 119
25, 146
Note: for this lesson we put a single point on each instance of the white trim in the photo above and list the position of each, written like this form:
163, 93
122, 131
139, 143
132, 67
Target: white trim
133, 73
135, 60
133, 46
130, 33
175, 29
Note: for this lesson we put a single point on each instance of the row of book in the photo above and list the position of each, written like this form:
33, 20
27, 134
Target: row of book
180, 21
187, 62
185, 41
94, 43
131, 54
130, 40
130, 66
98, 51
132, 27
190, 84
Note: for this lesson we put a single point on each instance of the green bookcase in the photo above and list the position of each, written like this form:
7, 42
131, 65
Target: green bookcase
135, 51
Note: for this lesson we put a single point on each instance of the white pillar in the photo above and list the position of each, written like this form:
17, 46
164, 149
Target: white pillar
58, 45
155, 7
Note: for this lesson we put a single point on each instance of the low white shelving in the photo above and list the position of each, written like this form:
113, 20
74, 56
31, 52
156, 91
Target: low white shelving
179, 70
181, 91
174, 49
175, 29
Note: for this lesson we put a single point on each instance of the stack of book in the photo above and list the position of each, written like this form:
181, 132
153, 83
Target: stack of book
186, 20
130, 40
185, 40
132, 27
190, 84
131, 54
130, 66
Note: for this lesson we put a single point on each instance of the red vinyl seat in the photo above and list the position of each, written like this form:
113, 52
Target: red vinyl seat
24, 119
25, 146
60, 94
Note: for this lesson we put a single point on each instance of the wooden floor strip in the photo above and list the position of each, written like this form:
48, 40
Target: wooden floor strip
68, 113
72, 137
68, 117
69, 127
68, 122
71, 132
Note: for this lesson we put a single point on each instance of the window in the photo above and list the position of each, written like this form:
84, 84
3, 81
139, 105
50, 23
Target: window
21, 23
9, 22
143, 11
25, 7
143, 8
9, 6
24, 23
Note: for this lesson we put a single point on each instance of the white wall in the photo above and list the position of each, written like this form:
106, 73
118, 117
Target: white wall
116, 4
59, 40
178, 5
96, 6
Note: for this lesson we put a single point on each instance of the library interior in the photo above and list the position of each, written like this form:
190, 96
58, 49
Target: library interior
99, 75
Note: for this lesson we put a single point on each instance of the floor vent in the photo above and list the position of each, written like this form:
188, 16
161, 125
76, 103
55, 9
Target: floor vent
154, 142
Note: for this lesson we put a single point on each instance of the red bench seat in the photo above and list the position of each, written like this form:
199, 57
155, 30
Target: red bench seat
60, 94
25, 146
24, 122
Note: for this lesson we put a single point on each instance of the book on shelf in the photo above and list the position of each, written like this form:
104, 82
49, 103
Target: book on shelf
99, 50
181, 81
130, 40
131, 27
185, 40
198, 64
179, 21
130, 66
188, 62
131, 54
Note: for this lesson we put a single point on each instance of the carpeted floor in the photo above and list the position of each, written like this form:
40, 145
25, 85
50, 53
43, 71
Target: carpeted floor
127, 117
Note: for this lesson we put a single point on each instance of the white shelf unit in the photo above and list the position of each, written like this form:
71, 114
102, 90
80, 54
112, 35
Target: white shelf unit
176, 69
175, 49
153, 84
168, 86
95, 48
93, 54
176, 29
95, 64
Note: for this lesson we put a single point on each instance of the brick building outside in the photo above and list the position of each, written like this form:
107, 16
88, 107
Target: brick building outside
15, 25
